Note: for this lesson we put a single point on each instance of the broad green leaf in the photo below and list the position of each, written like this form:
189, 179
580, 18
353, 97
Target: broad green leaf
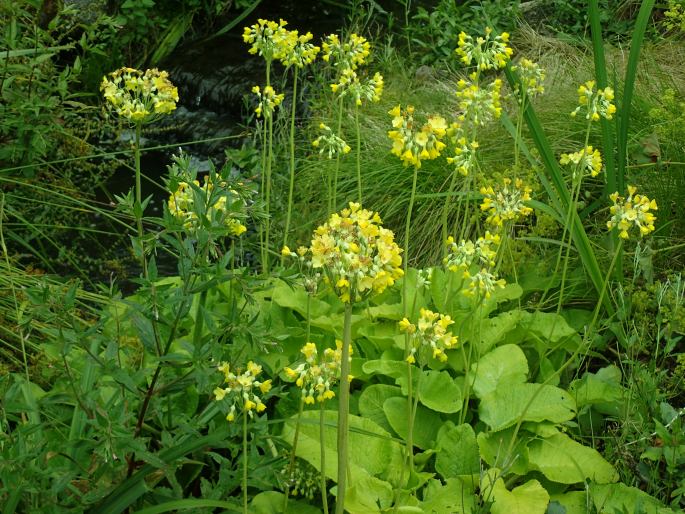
529, 402
501, 367
391, 368
549, 328
494, 450
368, 495
454, 496
426, 422
611, 498
602, 390
492, 331
371, 403
563, 460
575, 502
271, 502
529, 498
296, 298
439, 391
458, 453
371, 450
384, 335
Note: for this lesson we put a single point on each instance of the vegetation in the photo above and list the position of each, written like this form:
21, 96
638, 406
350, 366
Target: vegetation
439, 271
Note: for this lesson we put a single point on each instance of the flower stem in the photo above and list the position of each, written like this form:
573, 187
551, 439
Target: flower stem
292, 164
407, 227
291, 463
138, 210
245, 463
344, 407
334, 205
322, 439
445, 210
359, 154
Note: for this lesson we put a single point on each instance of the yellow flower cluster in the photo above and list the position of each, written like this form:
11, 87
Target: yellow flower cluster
268, 101
139, 96
357, 255
296, 49
315, 376
531, 77
182, 205
430, 332
330, 143
632, 211
269, 39
349, 83
587, 160
506, 202
674, 16
241, 389
482, 254
464, 151
414, 146
485, 53
350, 54
596, 103
479, 104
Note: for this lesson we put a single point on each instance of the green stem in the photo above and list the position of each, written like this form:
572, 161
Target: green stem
344, 407
199, 320
359, 154
245, 463
407, 228
410, 420
265, 264
337, 158
291, 463
322, 439
291, 186
445, 210
138, 209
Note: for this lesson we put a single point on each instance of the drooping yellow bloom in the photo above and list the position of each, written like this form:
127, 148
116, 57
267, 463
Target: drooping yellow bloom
269, 39
223, 210
296, 49
485, 53
240, 390
413, 146
139, 96
478, 104
464, 151
430, 332
348, 55
587, 160
349, 84
506, 202
596, 104
268, 101
318, 374
633, 211
531, 78
357, 255
481, 255
330, 143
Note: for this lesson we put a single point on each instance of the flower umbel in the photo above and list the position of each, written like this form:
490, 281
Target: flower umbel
139, 96
412, 146
482, 254
464, 151
596, 104
506, 202
296, 50
349, 83
429, 332
330, 143
479, 104
317, 374
531, 77
268, 101
586, 160
269, 39
241, 390
350, 54
357, 255
630, 212
485, 53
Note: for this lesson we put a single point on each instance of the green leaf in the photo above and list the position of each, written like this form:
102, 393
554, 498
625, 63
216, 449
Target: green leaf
575, 502
391, 368
458, 453
610, 498
492, 331
529, 498
385, 335
601, 390
371, 449
494, 446
454, 496
502, 366
271, 502
426, 422
528, 402
368, 495
439, 391
563, 460
371, 403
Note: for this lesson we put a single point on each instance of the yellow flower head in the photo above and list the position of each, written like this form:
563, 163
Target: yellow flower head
269, 39
413, 146
329, 143
479, 104
429, 332
138, 96
241, 389
268, 101
296, 50
531, 78
595, 104
349, 84
317, 374
588, 160
350, 54
358, 256
485, 53
464, 157
633, 211
481, 255
506, 202
225, 204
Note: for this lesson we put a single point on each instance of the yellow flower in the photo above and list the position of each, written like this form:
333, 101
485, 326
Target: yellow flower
268, 101
633, 211
330, 143
531, 78
586, 160
482, 255
240, 390
350, 54
413, 146
506, 202
485, 53
317, 375
479, 105
269, 39
432, 334
596, 104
